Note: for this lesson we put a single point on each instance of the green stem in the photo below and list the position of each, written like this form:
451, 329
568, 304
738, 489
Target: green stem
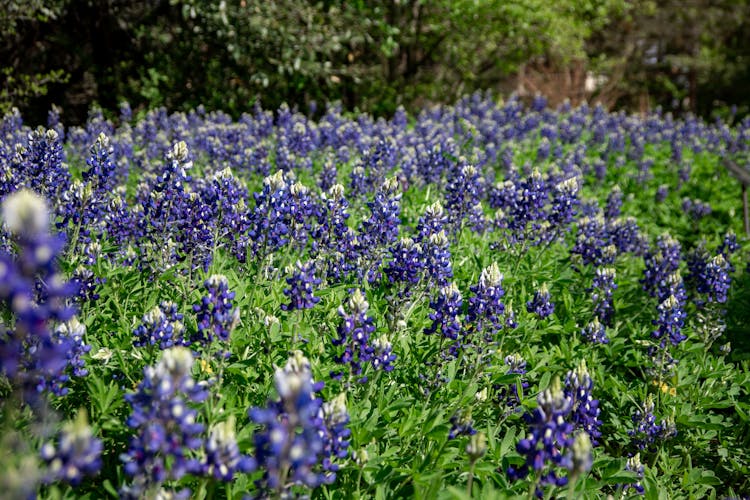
470, 482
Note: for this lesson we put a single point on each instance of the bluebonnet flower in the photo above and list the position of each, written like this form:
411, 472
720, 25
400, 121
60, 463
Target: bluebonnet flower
595, 332
463, 193
77, 454
436, 258
327, 177
101, 167
164, 423
528, 209
695, 209
446, 313
302, 210
166, 207
508, 395
406, 266
564, 203
660, 263
302, 284
614, 203
227, 199
646, 431
546, 447
354, 332
486, 308
717, 279
601, 294
670, 321
592, 241
634, 465
585, 409
461, 425
162, 325
268, 225
382, 354
380, 229
223, 458
661, 193
433, 220
71, 333
301, 437
541, 304
216, 315
542, 152
41, 164
31, 356
333, 240
510, 317
625, 235
728, 245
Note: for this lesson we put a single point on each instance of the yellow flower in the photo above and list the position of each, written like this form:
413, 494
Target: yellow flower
205, 367
665, 388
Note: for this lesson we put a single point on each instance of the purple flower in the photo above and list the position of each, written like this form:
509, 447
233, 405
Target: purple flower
31, 356
223, 458
614, 203
302, 284
446, 313
508, 395
660, 263
354, 332
77, 454
595, 332
486, 308
601, 294
216, 315
461, 425
717, 279
585, 409
161, 325
406, 265
647, 432
546, 447
164, 423
301, 437
634, 465
670, 321
541, 304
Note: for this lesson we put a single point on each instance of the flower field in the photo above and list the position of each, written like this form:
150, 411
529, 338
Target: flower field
485, 300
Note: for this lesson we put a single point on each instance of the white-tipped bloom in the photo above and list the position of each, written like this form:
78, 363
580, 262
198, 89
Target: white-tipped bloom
25, 212
491, 276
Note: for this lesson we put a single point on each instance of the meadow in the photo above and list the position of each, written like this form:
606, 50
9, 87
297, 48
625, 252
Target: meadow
485, 300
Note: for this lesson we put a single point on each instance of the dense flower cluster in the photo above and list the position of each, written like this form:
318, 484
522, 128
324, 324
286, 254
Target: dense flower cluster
550, 437
585, 409
216, 315
541, 305
33, 355
301, 436
595, 332
302, 284
446, 315
165, 425
486, 308
354, 333
647, 432
161, 325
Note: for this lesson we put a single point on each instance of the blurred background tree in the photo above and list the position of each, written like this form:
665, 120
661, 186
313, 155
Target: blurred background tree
370, 55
